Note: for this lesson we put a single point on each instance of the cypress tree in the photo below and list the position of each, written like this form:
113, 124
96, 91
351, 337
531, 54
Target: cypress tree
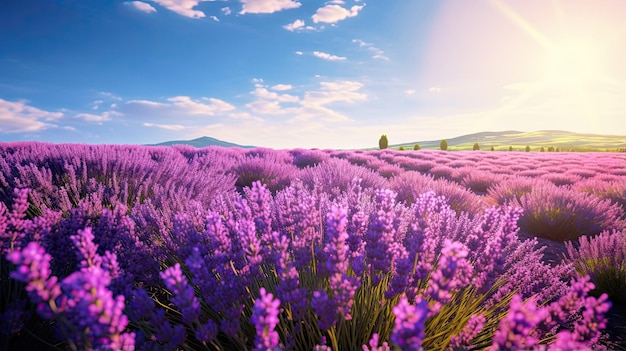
383, 142
443, 145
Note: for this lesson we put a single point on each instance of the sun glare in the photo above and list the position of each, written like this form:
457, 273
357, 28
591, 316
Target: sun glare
573, 64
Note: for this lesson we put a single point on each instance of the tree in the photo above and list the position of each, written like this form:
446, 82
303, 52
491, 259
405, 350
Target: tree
493, 148
416, 147
476, 147
510, 148
383, 142
443, 145
401, 148
527, 148
550, 148
542, 149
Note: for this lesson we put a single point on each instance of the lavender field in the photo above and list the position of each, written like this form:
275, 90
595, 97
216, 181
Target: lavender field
110, 247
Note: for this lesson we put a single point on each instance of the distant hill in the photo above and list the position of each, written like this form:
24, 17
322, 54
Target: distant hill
201, 142
518, 140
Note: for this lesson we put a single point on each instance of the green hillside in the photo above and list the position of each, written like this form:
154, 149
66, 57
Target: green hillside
563, 140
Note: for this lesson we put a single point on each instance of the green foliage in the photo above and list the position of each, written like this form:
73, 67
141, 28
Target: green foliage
493, 148
550, 148
510, 148
443, 145
416, 147
401, 148
527, 148
542, 149
476, 147
383, 142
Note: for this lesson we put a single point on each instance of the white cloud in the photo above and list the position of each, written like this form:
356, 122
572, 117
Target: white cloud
376, 52
263, 93
174, 127
297, 24
96, 104
176, 107
103, 117
182, 7
300, 53
337, 91
141, 6
226, 10
328, 57
267, 6
269, 107
336, 2
281, 87
18, 117
110, 95
335, 13
435, 90
410, 91
214, 18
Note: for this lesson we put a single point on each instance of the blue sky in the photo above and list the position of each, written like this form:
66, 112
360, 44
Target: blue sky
325, 74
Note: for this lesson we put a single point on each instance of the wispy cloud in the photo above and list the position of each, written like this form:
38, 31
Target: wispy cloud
328, 57
226, 10
334, 13
376, 52
18, 117
174, 127
176, 107
299, 53
141, 6
214, 18
282, 87
267, 6
103, 117
183, 7
410, 91
109, 95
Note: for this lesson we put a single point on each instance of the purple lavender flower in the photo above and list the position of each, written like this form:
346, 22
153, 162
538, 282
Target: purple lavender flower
265, 319
408, 331
33, 268
86, 249
515, 330
206, 332
452, 273
183, 294
463, 339
593, 321
381, 234
373, 345
325, 308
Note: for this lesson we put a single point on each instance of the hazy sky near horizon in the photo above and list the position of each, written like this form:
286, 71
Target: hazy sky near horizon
294, 73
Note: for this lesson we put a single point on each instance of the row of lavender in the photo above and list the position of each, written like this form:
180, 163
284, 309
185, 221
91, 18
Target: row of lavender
129, 247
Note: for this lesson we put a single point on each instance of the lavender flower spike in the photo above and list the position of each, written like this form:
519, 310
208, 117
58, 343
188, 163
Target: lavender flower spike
265, 318
408, 331
184, 297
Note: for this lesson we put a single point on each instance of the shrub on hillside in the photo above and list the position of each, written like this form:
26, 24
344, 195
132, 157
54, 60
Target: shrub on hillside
303, 158
610, 189
603, 258
480, 182
512, 189
274, 171
561, 214
336, 175
561, 179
